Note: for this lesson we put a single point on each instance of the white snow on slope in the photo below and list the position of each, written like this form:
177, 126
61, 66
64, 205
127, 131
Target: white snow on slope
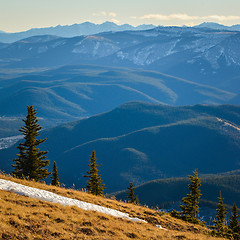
55, 198
9, 141
228, 124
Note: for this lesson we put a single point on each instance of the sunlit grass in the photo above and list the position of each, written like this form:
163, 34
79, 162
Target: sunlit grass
26, 218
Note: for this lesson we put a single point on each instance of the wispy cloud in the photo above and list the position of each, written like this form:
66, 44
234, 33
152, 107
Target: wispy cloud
223, 18
169, 17
105, 14
186, 17
114, 20
112, 14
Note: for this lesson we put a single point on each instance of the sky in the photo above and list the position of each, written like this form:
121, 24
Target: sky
21, 15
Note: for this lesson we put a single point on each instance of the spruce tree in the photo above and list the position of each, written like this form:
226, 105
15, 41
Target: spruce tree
131, 194
219, 225
30, 162
234, 223
95, 184
190, 202
55, 178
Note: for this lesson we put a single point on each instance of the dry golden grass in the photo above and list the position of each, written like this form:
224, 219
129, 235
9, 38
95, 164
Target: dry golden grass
26, 218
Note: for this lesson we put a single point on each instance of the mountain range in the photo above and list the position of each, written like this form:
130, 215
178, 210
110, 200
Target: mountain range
180, 75
140, 142
218, 26
201, 55
86, 28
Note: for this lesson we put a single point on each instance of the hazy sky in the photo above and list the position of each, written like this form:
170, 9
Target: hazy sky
20, 15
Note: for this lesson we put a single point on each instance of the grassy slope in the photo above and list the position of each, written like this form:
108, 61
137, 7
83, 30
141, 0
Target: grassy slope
25, 218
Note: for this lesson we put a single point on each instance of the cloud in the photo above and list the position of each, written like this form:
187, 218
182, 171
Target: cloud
186, 17
223, 18
169, 17
114, 20
105, 14
112, 14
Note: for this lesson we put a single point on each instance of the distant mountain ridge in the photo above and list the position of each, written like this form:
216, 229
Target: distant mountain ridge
218, 26
85, 28
89, 28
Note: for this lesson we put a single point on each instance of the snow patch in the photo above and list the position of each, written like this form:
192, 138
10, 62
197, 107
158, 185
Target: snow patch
55, 198
58, 43
9, 141
160, 227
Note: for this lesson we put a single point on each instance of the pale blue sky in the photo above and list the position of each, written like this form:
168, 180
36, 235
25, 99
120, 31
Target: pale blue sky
20, 15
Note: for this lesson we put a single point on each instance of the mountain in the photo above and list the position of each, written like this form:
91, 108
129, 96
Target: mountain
202, 55
140, 142
86, 28
218, 66
218, 26
141, 48
197, 54
72, 92
26, 217
213, 25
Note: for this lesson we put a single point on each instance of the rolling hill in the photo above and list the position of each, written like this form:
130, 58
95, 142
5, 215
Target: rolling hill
72, 92
165, 193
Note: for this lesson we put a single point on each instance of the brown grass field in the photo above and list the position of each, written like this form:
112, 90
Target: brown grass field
27, 218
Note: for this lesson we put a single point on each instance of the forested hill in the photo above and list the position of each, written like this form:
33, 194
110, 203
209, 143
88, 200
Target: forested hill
166, 192
140, 142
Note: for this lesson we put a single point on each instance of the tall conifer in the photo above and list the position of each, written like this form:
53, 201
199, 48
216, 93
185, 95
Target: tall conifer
30, 162
219, 222
55, 178
95, 184
131, 194
234, 223
190, 202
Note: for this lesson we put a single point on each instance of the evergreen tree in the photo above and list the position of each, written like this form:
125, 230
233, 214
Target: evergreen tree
30, 162
95, 184
55, 178
234, 223
190, 202
131, 194
219, 225
137, 200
